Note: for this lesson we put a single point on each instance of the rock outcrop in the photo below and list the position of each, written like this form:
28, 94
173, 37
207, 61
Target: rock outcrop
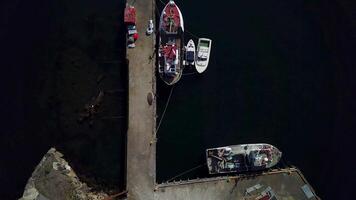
54, 179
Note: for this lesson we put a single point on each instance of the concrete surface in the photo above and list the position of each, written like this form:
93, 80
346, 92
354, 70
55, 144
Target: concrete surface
141, 153
286, 184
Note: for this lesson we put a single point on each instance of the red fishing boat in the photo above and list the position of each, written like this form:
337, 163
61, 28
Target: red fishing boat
171, 44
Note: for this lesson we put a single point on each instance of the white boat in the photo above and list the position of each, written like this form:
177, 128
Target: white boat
242, 158
203, 54
190, 53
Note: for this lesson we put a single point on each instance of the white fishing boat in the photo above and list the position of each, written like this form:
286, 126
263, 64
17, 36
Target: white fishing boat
190, 53
242, 158
203, 54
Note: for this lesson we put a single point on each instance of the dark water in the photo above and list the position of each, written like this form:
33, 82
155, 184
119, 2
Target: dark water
280, 72
276, 75
52, 53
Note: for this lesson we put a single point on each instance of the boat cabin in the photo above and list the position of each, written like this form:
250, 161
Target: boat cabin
203, 52
170, 58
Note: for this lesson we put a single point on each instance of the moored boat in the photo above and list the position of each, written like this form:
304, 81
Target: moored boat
190, 53
203, 54
171, 44
242, 158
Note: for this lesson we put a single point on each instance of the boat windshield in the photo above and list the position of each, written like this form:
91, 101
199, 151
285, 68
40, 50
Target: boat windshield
204, 43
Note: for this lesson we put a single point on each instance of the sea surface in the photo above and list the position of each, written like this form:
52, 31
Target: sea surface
272, 78
280, 72
56, 57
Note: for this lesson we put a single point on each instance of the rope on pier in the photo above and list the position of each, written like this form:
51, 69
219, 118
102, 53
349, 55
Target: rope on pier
187, 171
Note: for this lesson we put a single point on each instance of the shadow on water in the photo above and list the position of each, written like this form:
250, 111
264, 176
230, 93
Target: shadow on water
58, 55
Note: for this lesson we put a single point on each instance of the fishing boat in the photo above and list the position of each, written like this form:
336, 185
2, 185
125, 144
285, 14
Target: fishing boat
242, 158
190, 53
171, 44
203, 54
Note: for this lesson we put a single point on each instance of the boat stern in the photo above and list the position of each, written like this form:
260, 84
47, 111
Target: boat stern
209, 161
276, 156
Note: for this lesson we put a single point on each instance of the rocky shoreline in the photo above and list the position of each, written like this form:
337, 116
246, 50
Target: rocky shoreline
53, 179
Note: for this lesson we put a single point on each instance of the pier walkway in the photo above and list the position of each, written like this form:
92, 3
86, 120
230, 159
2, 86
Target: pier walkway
141, 154
284, 183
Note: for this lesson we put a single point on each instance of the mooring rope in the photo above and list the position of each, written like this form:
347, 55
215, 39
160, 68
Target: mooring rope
188, 74
115, 195
187, 171
157, 9
195, 36
164, 112
162, 2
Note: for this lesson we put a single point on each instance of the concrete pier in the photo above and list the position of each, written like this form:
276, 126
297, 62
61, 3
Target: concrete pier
285, 184
141, 152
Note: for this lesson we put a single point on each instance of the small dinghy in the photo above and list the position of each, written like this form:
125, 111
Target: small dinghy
203, 54
190, 53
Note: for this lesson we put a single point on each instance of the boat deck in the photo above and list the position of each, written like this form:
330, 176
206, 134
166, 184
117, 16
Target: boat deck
179, 67
241, 158
170, 20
